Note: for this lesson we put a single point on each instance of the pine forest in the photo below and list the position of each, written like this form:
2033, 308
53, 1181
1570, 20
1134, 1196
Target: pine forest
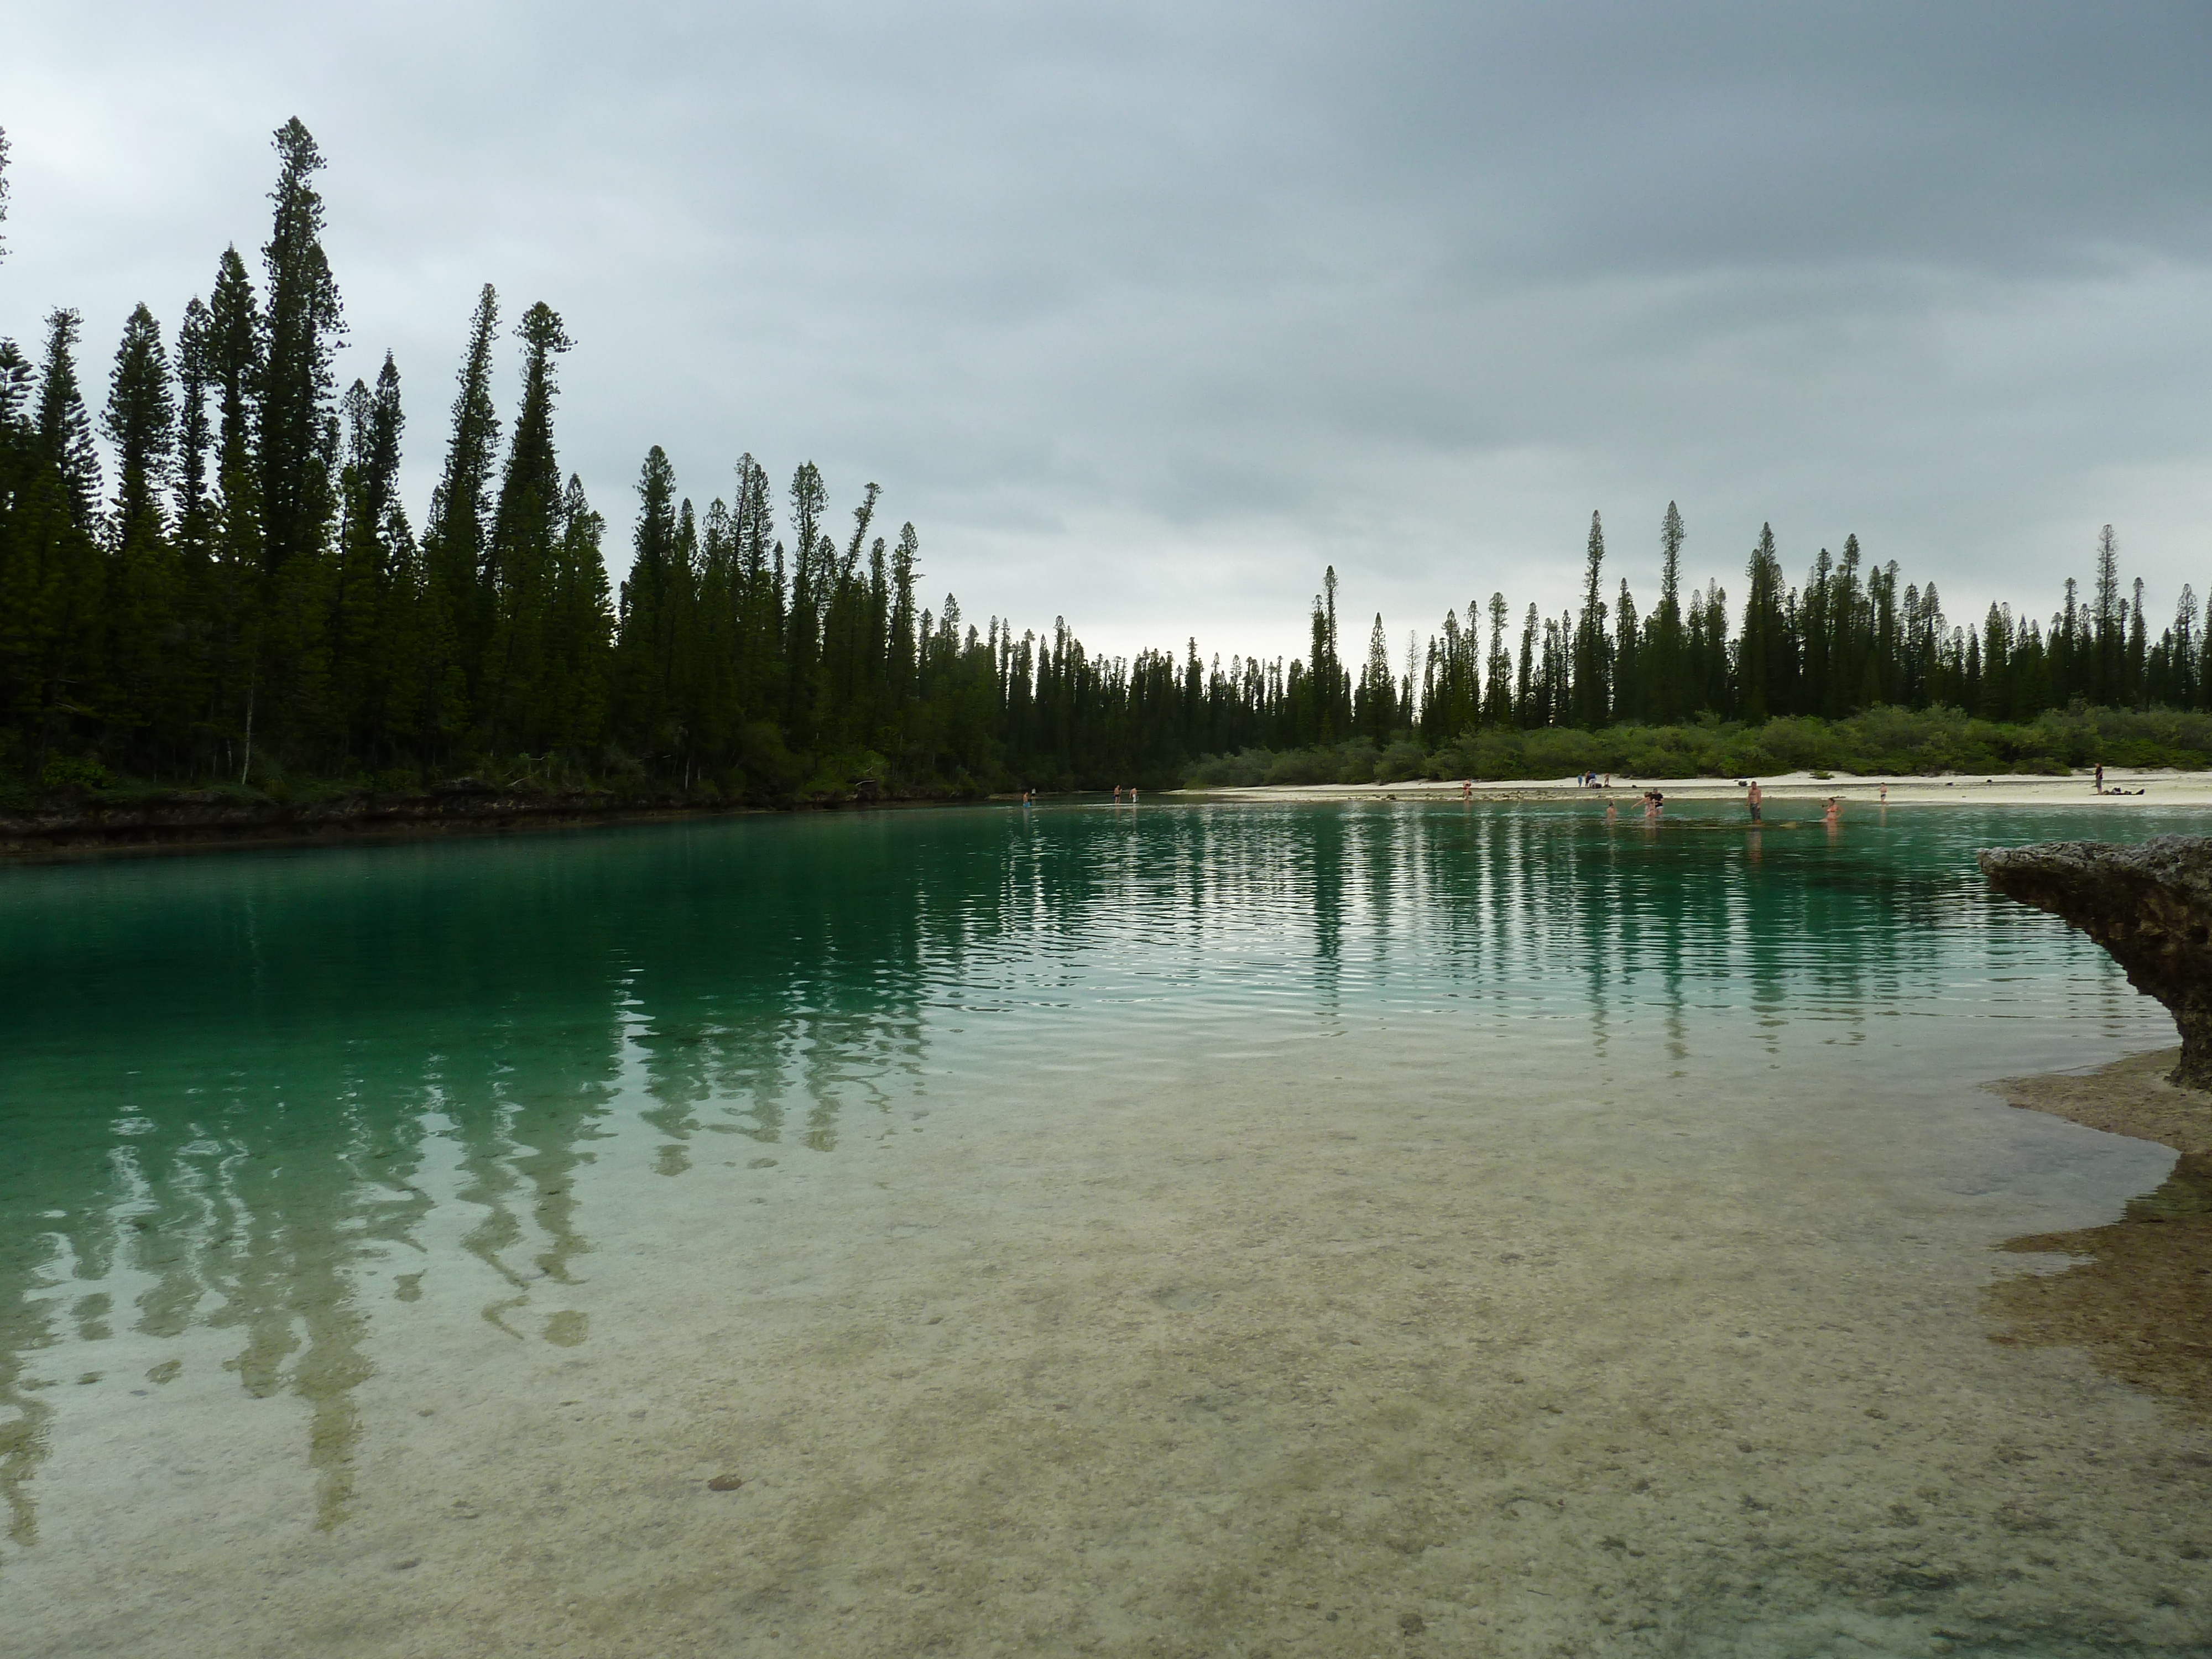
244, 605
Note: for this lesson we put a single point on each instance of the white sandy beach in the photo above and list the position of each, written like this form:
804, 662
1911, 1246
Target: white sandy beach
2142, 786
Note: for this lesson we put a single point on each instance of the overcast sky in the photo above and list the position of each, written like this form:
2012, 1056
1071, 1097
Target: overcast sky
1144, 313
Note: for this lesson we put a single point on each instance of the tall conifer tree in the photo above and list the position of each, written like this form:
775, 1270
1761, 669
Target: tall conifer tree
1591, 702
141, 606
374, 599
1761, 661
193, 435
1497, 667
305, 325
1666, 670
233, 365
518, 566
1375, 713
583, 626
54, 592
233, 360
1630, 697
456, 536
646, 643
65, 428
141, 421
2107, 620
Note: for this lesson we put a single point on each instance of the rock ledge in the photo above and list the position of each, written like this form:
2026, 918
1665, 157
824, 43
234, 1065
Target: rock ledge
2149, 906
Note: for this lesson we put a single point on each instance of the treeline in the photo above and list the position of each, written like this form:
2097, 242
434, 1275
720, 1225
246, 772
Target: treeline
249, 602
1854, 636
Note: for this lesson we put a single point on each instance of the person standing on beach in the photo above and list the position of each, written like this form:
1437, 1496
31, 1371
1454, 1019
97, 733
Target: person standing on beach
2100, 777
1753, 799
1466, 789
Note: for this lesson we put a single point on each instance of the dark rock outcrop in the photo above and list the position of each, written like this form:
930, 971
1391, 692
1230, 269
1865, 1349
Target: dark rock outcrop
66, 823
2149, 906
61, 824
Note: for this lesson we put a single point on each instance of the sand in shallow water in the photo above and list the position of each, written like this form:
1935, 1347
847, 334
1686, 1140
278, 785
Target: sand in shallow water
1324, 1369
2132, 1097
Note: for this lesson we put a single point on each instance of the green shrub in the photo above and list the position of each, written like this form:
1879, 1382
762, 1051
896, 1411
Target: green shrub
74, 772
1239, 771
1402, 760
1882, 740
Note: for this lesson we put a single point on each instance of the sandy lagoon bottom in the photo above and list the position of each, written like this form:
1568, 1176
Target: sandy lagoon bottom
1247, 1361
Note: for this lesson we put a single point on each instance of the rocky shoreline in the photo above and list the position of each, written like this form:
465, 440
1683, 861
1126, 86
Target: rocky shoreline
2138, 1295
207, 820
2148, 906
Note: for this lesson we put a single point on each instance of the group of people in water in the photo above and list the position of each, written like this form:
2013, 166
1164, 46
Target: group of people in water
1029, 795
1654, 805
1832, 809
1654, 801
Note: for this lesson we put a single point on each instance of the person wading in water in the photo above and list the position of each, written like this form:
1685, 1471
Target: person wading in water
1753, 799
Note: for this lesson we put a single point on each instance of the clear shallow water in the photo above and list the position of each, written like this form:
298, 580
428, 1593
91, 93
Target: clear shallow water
281, 1128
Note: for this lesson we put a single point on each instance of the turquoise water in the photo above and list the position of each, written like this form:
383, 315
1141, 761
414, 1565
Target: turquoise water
281, 1128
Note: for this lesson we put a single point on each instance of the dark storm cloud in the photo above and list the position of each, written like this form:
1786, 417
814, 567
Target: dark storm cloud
1144, 313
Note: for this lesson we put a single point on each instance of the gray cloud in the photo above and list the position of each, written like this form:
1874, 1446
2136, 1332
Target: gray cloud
1143, 314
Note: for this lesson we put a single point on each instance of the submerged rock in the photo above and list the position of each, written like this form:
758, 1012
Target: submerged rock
2149, 906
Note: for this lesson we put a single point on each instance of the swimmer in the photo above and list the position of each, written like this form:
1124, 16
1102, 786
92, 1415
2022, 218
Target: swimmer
1754, 799
1835, 811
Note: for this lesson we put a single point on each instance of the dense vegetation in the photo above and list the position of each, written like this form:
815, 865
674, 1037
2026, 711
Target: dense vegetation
249, 602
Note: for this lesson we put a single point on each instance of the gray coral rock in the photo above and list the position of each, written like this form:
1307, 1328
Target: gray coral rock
2149, 906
